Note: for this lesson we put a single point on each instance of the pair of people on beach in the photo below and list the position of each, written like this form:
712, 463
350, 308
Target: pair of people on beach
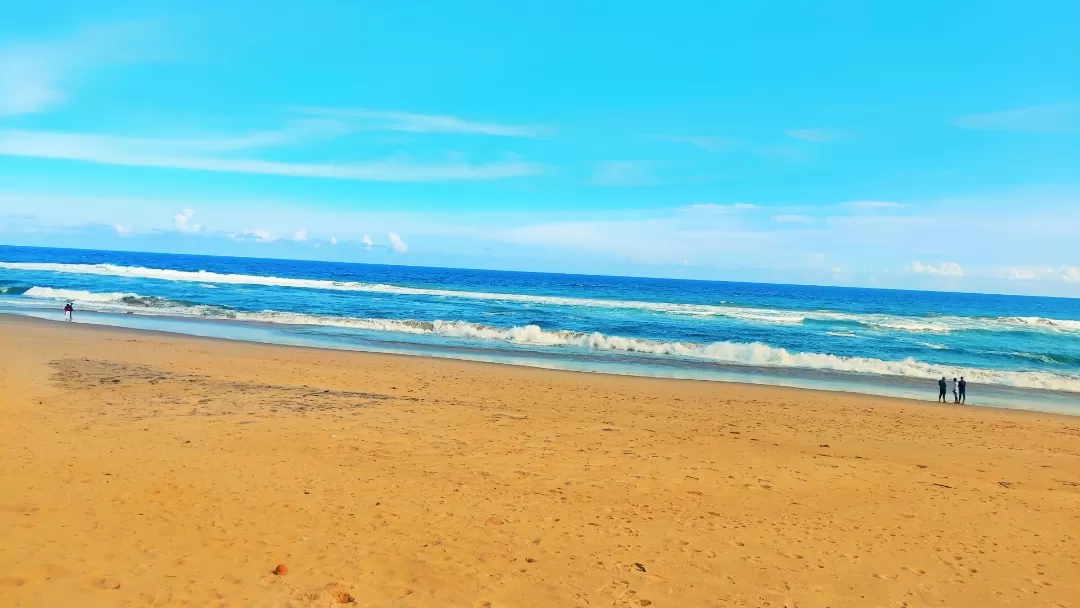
68, 311
959, 390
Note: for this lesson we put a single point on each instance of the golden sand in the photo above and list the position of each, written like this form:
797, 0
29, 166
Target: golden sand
144, 469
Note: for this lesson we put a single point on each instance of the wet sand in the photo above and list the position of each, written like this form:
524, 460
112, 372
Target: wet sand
142, 468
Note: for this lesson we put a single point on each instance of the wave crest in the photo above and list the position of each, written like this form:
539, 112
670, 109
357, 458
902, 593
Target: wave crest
939, 324
753, 354
126, 301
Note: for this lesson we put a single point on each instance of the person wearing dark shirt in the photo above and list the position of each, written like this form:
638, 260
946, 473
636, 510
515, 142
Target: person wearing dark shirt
68, 310
963, 390
942, 386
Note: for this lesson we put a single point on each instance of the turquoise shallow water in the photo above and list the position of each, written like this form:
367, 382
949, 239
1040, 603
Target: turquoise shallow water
1014, 351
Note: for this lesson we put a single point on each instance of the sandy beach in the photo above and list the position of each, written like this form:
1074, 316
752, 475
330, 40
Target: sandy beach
146, 469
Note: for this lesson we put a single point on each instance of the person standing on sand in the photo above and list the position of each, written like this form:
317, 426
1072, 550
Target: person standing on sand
963, 390
955, 392
68, 310
941, 390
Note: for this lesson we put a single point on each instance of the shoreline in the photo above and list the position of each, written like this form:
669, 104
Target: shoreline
150, 467
105, 330
903, 388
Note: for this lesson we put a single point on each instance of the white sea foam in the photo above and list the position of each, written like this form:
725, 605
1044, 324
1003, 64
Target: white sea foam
729, 353
909, 324
1062, 324
74, 295
126, 302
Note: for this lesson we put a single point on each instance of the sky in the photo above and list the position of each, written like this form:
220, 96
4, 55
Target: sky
921, 145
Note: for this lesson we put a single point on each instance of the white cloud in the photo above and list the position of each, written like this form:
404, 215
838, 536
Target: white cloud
185, 154
624, 173
300, 235
333, 240
182, 221
814, 135
945, 269
1037, 229
368, 243
34, 76
123, 230
791, 218
1027, 273
259, 235
397, 244
1068, 274
393, 120
712, 144
1047, 118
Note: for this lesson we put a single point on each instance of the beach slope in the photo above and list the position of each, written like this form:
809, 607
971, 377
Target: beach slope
143, 469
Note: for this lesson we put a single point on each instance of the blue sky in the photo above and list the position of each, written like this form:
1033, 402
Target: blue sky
909, 145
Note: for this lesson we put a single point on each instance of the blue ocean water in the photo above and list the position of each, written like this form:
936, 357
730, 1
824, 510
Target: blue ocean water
1014, 351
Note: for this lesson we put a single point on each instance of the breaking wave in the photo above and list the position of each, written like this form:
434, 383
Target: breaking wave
938, 324
127, 301
728, 353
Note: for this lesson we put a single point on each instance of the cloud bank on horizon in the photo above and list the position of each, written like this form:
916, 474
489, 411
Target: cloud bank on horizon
383, 135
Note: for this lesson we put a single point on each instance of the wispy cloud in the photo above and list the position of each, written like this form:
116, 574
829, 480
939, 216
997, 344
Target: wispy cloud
1047, 118
257, 235
393, 120
718, 208
35, 76
791, 218
873, 205
368, 243
198, 155
944, 269
815, 135
1027, 273
621, 173
712, 144
1068, 274
34, 142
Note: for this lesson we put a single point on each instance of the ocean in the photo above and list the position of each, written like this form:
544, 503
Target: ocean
1014, 351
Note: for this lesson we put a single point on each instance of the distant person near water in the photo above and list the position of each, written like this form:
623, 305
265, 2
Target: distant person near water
955, 392
963, 390
68, 310
941, 389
